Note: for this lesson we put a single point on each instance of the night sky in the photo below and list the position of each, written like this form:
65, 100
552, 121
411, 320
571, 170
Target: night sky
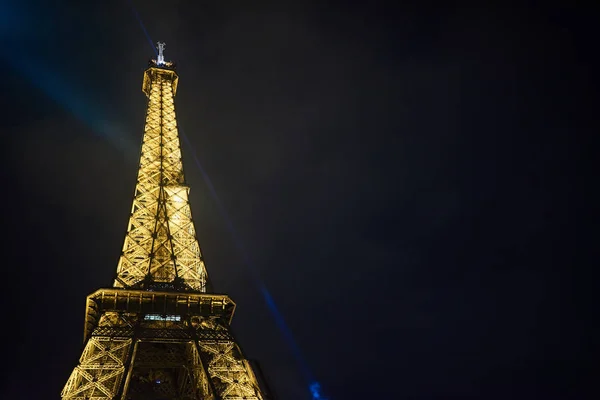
406, 180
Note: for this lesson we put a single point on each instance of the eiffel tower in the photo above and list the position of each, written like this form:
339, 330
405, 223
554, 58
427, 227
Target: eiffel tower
158, 333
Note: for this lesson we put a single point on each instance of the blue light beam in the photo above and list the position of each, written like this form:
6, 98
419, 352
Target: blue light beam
139, 19
314, 386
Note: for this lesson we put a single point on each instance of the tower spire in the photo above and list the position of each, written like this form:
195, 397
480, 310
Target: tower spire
161, 57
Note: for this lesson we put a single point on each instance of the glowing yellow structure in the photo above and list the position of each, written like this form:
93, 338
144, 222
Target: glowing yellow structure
157, 333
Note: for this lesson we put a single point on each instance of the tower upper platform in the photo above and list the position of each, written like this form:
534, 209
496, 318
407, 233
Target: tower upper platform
161, 67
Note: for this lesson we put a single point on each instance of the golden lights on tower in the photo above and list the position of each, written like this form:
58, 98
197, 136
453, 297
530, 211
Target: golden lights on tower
157, 333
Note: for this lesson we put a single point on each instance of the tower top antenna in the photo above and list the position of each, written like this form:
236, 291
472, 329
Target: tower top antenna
161, 56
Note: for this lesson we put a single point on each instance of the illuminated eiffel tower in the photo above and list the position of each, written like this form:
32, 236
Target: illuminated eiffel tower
157, 333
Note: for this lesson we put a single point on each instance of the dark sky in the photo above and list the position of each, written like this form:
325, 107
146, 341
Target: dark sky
407, 180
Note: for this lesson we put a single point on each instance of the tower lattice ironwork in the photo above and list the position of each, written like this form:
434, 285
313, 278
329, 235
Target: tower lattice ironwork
157, 333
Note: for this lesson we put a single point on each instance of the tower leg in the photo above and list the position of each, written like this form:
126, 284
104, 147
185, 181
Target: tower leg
100, 370
230, 373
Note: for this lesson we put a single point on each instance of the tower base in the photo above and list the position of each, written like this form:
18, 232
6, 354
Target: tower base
160, 345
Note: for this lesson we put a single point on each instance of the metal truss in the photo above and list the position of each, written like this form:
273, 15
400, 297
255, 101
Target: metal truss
129, 357
230, 372
157, 334
160, 243
102, 364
